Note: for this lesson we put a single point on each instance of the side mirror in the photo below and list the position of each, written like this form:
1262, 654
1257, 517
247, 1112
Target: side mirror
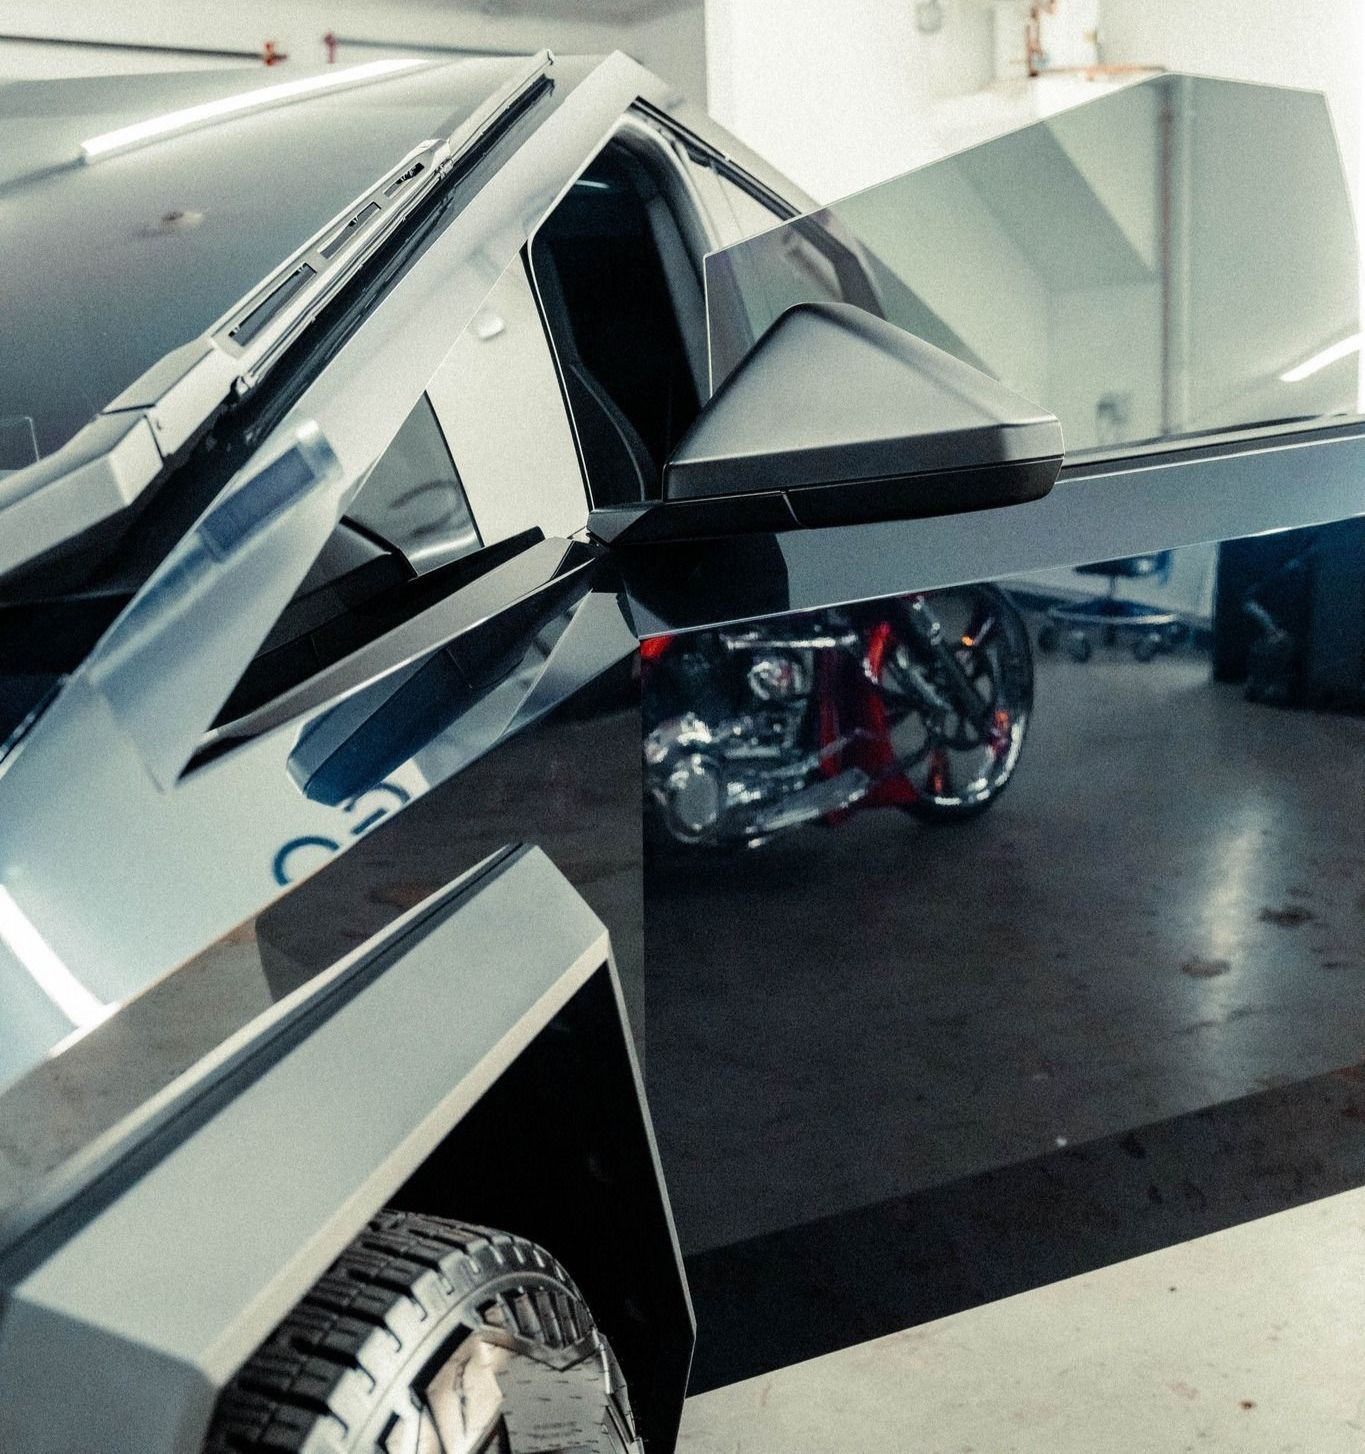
836, 417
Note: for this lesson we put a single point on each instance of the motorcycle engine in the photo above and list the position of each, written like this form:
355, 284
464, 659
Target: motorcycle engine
729, 733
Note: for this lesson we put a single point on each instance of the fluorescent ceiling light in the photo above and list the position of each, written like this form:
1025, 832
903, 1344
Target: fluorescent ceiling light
71, 997
1310, 366
172, 122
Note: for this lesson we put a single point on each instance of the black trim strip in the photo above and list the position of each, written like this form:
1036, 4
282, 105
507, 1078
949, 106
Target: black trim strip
774, 1300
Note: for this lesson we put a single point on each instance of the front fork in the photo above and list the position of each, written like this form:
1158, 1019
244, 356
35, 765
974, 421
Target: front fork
957, 692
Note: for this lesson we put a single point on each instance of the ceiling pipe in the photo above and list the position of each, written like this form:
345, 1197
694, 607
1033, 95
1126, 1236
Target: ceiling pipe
334, 42
267, 54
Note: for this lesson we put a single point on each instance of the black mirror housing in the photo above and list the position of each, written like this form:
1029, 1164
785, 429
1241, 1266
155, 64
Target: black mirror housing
837, 417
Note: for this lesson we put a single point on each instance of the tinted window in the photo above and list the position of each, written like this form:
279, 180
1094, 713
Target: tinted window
624, 301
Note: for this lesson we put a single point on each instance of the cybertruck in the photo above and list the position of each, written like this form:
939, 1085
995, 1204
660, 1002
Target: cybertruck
357, 428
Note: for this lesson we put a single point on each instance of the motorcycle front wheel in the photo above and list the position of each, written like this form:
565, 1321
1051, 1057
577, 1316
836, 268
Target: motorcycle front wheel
958, 756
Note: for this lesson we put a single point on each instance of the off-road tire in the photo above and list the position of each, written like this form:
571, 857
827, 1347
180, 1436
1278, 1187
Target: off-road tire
420, 1319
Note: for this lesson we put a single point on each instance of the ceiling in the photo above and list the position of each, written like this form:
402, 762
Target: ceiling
617, 12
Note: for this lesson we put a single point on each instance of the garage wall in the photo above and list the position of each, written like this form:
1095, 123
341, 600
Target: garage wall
297, 29
836, 95
31, 62
674, 47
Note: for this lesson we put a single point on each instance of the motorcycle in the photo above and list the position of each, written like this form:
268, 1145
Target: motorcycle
920, 703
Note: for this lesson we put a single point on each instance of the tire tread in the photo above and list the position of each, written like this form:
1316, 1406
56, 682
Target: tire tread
322, 1370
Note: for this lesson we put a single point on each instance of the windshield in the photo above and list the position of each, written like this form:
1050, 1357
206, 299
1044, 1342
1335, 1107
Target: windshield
1174, 259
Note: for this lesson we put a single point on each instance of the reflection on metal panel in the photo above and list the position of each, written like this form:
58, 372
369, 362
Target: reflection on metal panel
494, 961
570, 783
413, 498
211, 602
235, 832
1093, 513
498, 399
1121, 1008
1166, 263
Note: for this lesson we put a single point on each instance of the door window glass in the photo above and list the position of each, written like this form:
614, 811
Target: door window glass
1168, 264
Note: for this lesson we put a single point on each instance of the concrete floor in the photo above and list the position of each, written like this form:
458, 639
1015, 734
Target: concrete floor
1165, 910
1249, 1340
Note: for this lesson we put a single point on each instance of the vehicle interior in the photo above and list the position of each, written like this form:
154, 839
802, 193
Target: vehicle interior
618, 269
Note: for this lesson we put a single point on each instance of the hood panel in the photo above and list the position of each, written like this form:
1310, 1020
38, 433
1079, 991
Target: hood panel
128, 256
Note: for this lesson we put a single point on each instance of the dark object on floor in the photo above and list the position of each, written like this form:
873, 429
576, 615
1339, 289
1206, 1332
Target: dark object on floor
1289, 617
1289, 917
1280, 607
1274, 662
1335, 657
1242, 564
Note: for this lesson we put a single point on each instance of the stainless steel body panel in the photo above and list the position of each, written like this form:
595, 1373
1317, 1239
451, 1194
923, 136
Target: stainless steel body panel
127, 723
100, 1349
88, 892
1093, 513
568, 781
524, 474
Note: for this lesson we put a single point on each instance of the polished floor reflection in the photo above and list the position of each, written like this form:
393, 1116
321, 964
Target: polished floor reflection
1164, 912
1247, 1340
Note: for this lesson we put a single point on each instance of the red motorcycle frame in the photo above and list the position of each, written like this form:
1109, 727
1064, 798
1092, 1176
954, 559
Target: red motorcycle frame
754, 730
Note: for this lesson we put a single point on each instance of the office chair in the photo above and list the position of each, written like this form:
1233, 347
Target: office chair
1108, 616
